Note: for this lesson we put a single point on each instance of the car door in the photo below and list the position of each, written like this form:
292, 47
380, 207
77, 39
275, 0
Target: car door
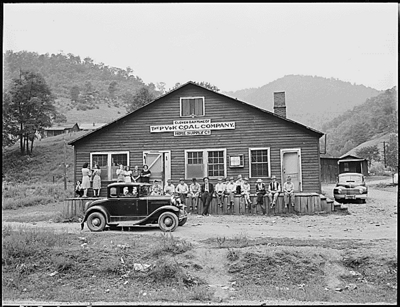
123, 207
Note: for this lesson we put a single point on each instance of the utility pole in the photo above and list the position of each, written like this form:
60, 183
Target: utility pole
384, 154
65, 165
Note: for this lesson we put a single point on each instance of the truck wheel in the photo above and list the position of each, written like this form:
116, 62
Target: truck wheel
96, 222
168, 221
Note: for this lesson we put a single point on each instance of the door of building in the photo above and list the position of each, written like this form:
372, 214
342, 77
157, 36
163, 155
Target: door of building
159, 163
291, 166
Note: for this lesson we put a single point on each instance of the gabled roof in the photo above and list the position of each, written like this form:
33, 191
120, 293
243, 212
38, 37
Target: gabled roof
195, 84
346, 156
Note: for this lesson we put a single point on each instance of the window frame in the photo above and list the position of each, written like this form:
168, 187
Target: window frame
269, 161
205, 161
192, 115
109, 154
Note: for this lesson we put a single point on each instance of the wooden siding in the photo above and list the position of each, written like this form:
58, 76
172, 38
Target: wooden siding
329, 169
254, 129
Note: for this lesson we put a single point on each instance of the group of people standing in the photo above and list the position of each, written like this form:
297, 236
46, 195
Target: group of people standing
229, 189
89, 175
125, 174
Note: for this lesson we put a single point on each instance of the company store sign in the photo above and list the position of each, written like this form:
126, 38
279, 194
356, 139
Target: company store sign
192, 127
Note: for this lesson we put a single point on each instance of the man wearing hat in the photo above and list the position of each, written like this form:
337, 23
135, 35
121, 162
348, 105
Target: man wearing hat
182, 190
156, 188
230, 190
260, 192
207, 191
220, 192
195, 193
273, 191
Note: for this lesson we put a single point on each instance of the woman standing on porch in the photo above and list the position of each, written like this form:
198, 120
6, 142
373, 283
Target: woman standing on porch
145, 174
85, 178
96, 180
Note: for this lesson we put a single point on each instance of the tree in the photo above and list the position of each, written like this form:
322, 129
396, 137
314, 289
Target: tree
75, 91
112, 88
208, 85
29, 108
142, 97
370, 153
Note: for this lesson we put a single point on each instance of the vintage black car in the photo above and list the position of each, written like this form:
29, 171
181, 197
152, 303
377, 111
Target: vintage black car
133, 203
350, 187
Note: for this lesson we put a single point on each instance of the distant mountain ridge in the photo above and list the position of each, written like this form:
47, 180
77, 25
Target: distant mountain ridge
310, 100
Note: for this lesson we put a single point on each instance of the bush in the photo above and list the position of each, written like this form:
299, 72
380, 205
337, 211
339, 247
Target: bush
377, 168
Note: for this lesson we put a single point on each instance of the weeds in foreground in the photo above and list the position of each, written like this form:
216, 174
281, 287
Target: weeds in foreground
32, 194
171, 245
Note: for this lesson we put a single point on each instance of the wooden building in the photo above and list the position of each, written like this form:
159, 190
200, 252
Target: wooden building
329, 169
196, 132
60, 129
353, 164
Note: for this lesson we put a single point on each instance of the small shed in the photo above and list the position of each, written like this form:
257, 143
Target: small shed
353, 164
329, 169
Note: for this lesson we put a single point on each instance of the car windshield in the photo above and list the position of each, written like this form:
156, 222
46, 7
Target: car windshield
351, 178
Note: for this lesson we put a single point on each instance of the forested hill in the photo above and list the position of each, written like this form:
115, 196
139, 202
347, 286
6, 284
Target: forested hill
309, 100
376, 117
69, 76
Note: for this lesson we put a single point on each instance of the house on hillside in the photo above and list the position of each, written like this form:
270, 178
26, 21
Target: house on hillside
90, 126
196, 132
353, 164
60, 129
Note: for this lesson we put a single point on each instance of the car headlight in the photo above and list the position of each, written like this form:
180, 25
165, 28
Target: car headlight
361, 190
339, 190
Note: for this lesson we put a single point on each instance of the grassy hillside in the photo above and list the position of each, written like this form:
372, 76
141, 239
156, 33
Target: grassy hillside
310, 100
103, 113
46, 162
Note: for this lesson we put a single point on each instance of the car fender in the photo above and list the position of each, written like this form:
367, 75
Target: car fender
96, 208
157, 212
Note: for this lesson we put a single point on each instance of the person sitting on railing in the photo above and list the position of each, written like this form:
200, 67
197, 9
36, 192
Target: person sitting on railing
156, 189
273, 191
246, 192
79, 189
169, 188
230, 190
182, 189
220, 192
260, 192
194, 190
288, 192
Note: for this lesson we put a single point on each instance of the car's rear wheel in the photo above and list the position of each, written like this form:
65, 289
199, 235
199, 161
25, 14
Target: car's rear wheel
183, 222
168, 221
96, 222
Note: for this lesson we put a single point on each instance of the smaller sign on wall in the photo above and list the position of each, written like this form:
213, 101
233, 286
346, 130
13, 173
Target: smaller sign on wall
189, 132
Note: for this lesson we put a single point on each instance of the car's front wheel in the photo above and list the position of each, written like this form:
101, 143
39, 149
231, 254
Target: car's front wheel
168, 221
96, 222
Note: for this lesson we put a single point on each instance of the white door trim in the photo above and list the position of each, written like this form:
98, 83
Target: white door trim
287, 150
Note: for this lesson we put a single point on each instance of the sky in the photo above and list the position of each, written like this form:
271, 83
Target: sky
232, 46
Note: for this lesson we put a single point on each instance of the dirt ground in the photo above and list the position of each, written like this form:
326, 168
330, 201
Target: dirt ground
372, 222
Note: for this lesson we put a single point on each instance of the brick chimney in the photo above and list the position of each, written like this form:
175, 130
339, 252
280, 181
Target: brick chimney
279, 104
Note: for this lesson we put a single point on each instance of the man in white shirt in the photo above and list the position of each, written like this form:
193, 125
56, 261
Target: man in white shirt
220, 192
288, 190
169, 188
230, 190
182, 189
273, 191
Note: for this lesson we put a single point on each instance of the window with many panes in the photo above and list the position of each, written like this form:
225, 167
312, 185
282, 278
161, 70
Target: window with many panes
192, 106
259, 162
208, 162
109, 163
